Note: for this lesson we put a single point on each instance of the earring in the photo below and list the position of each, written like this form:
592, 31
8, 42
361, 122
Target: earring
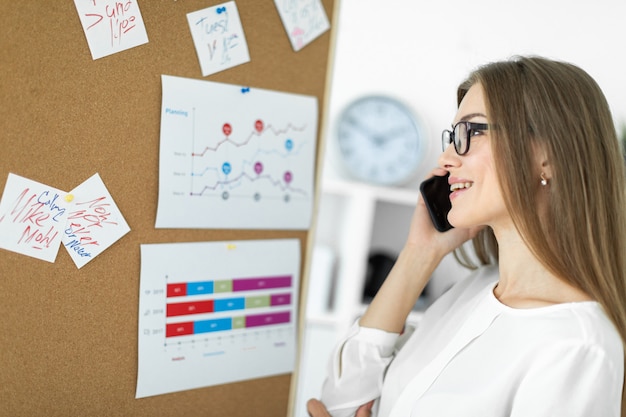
544, 181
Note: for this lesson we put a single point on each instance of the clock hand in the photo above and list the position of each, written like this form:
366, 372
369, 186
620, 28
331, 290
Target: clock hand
395, 133
379, 140
382, 139
364, 131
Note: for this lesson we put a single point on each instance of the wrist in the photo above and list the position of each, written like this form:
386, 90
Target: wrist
400, 290
419, 257
413, 269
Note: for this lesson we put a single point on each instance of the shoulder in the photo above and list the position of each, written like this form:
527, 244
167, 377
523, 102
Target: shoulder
571, 360
573, 377
581, 332
590, 327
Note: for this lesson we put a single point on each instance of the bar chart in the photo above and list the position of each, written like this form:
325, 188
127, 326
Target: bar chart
234, 304
216, 312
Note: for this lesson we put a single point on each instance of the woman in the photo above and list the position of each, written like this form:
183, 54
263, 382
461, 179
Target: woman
537, 181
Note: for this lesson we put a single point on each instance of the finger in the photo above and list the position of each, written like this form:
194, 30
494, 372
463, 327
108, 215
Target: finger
316, 408
365, 410
440, 172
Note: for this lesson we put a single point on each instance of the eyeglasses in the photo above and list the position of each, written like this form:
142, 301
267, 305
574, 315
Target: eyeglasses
460, 135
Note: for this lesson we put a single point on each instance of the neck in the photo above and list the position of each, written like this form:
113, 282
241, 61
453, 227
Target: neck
524, 280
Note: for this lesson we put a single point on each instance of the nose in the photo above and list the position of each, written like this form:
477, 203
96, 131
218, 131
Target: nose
449, 158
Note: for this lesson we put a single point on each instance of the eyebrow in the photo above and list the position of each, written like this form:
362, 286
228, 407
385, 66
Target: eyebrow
471, 116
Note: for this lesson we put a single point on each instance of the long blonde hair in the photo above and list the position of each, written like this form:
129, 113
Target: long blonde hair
579, 233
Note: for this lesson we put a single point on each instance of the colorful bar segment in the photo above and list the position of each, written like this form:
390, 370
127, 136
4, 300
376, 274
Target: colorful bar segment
176, 290
228, 304
215, 325
224, 286
193, 307
198, 288
179, 329
281, 299
267, 319
239, 322
258, 301
251, 284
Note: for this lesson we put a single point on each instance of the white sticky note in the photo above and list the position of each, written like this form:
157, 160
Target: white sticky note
218, 36
304, 20
111, 26
32, 218
94, 223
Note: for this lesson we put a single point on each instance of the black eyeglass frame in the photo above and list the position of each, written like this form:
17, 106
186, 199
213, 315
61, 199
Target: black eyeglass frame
448, 136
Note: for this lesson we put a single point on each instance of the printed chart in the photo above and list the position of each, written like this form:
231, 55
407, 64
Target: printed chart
216, 312
235, 157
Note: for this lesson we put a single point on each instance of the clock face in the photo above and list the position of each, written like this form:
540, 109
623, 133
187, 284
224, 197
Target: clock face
379, 140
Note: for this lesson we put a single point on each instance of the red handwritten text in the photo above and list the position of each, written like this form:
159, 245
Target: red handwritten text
38, 213
120, 18
90, 214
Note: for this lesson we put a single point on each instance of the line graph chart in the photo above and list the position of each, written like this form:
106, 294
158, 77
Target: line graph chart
233, 157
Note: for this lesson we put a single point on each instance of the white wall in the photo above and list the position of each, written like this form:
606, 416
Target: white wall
418, 51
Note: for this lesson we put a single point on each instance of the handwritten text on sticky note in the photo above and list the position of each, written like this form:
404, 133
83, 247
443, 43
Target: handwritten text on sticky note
32, 218
304, 20
218, 36
111, 26
94, 223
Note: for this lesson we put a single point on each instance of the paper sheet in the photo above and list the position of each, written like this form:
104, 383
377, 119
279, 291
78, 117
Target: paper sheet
304, 20
218, 36
216, 312
32, 217
94, 223
111, 25
235, 157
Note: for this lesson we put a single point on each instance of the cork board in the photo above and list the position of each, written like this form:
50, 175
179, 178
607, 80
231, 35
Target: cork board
68, 335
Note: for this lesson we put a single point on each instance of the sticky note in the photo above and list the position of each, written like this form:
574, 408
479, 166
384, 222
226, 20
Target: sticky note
218, 37
111, 26
32, 218
304, 21
94, 223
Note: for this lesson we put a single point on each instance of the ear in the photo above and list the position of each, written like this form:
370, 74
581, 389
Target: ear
542, 161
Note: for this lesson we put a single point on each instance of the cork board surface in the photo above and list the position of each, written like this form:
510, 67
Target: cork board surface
68, 335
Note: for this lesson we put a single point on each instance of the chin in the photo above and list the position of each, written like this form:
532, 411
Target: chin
453, 221
459, 224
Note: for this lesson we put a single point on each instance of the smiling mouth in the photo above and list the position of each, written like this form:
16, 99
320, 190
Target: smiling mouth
460, 186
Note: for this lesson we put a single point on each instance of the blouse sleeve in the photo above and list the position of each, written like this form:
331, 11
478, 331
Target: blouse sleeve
356, 370
572, 380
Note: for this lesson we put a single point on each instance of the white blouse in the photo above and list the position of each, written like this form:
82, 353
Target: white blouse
473, 356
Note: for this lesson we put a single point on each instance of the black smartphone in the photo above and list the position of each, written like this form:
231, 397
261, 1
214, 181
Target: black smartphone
436, 194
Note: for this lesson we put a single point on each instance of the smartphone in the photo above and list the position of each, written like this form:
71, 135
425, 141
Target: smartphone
436, 194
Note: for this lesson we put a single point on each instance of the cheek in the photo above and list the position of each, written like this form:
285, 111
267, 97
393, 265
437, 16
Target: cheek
491, 187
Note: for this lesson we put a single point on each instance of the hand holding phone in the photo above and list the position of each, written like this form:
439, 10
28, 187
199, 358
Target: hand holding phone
436, 194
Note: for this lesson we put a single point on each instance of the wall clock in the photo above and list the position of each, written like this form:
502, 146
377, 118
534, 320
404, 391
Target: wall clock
380, 141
